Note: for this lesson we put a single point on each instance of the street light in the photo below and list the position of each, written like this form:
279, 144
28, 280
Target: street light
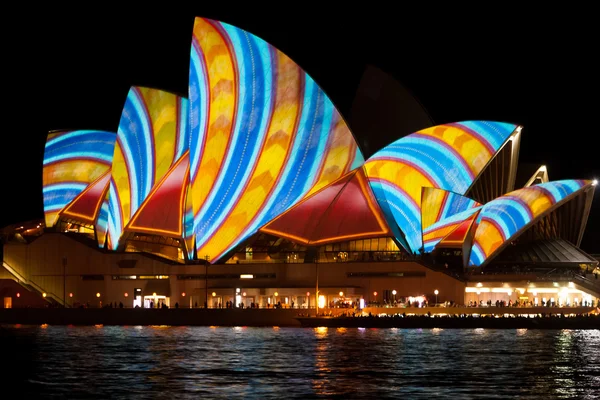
436, 292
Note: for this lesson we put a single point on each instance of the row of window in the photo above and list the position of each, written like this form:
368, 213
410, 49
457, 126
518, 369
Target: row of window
405, 274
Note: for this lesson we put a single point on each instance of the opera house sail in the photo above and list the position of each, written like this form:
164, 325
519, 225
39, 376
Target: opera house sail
257, 166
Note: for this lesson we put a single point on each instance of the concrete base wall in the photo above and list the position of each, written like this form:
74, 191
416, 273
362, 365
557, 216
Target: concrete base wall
61, 265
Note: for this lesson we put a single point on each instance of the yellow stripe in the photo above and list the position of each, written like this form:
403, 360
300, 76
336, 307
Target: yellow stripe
121, 177
85, 171
400, 175
163, 116
221, 82
271, 160
337, 159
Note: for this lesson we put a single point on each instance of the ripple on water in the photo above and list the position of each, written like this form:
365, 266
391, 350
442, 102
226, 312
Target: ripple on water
225, 362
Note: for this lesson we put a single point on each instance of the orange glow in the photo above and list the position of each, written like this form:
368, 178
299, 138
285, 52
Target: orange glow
97, 294
18, 294
44, 294
308, 293
126, 294
70, 294
244, 294
215, 293
375, 294
182, 294
89, 218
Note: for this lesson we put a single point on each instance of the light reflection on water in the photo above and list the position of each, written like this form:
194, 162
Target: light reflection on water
226, 362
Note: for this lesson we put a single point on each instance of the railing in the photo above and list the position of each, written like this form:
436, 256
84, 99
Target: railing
25, 282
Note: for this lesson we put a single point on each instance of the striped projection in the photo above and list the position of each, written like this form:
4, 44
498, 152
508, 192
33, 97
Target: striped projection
434, 233
458, 237
505, 217
153, 134
439, 204
263, 136
72, 161
102, 222
447, 157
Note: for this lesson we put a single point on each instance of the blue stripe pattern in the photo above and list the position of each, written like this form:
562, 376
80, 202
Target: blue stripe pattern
447, 169
255, 77
511, 213
69, 146
198, 112
136, 141
453, 219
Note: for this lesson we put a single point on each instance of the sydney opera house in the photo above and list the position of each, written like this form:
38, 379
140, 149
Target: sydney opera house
253, 190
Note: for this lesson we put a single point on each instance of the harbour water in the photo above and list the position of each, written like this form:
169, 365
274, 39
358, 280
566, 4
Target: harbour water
144, 362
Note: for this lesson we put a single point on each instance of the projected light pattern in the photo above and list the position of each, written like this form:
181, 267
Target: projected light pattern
436, 232
188, 225
102, 222
447, 157
439, 204
153, 134
263, 136
503, 218
259, 146
72, 161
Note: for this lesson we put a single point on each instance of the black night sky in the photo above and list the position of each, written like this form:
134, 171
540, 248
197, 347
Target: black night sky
72, 69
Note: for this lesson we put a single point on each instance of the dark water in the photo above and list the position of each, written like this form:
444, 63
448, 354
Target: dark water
196, 362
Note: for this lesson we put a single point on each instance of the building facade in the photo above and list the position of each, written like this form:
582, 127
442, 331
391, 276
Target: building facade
253, 191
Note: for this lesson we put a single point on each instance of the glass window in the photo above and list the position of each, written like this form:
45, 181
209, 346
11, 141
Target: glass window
374, 244
367, 245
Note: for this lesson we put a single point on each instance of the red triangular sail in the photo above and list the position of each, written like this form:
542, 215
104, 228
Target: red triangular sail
86, 206
345, 210
162, 211
456, 238
299, 222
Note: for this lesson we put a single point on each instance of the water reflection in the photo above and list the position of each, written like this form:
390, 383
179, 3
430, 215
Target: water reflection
222, 362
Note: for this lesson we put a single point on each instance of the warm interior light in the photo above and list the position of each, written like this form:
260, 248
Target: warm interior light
276, 294
97, 294
18, 294
154, 294
307, 294
244, 294
70, 294
394, 292
183, 294
246, 276
341, 294
375, 294
479, 284
436, 292
126, 294
321, 301
44, 294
